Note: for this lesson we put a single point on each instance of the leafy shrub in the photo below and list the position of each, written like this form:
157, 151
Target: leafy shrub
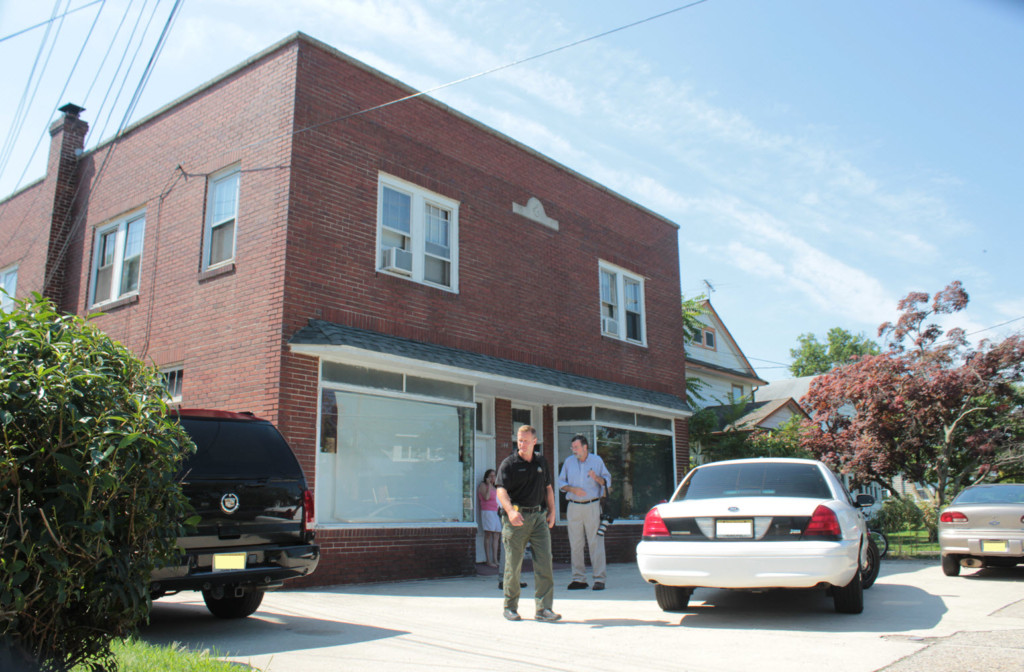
898, 514
89, 504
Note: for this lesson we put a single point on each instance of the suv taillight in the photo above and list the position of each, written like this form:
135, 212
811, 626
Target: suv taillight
654, 526
824, 524
952, 517
307, 505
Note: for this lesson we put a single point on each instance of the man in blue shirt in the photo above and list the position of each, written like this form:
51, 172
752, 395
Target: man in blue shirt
583, 479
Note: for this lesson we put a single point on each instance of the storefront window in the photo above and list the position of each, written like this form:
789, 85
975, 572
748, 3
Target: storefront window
389, 460
641, 467
640, 463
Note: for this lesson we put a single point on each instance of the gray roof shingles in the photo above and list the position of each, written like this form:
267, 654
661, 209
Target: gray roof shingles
320, 332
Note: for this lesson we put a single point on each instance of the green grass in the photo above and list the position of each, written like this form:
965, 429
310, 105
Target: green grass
135, 656
912, 544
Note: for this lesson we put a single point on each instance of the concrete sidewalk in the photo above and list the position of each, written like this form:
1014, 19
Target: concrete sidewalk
913, 613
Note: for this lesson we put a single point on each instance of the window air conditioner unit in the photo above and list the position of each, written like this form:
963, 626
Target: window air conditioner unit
609, 326
397, 260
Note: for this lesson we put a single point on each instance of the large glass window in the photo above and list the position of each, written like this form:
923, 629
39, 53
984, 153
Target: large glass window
8, 285
417, 233
117, 259
391, 460
640, 462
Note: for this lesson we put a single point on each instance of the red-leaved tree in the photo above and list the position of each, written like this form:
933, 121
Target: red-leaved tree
931, 408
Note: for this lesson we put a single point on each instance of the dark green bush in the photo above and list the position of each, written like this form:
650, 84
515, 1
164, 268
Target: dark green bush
89, 503
898, 514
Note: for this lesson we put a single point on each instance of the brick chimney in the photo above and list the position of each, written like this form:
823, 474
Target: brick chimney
67, 141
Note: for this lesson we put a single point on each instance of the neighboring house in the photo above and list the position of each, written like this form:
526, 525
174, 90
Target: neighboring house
717, 360
790, 388
729, 380
398, 288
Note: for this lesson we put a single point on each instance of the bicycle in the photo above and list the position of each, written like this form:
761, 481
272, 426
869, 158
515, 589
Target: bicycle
881, 541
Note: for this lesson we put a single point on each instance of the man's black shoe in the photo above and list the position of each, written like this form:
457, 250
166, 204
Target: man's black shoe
501, 585
598, 585
547, 616
512, 615
578, 585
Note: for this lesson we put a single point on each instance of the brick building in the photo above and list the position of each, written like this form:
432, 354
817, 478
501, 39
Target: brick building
398, 288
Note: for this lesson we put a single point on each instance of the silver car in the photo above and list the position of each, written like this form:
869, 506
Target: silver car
984, 526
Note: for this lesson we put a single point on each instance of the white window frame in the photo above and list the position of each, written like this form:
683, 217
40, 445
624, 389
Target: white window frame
415, 240
170, 373
119, 229
8, 283
217, 180
614, 303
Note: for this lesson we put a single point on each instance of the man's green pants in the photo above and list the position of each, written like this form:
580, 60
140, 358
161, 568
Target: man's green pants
534, 531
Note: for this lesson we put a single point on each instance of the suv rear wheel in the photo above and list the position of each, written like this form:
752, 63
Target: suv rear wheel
672, 598
230, 606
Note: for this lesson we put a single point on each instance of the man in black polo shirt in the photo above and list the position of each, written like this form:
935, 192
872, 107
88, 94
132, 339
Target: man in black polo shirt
526, 496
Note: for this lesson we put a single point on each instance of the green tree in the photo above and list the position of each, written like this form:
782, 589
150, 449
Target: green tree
781, 442
89, 502
693, 330
813, 358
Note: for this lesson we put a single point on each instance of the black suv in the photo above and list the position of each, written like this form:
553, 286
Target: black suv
256, 514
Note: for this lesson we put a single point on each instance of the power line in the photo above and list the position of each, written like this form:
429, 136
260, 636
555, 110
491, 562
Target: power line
475, 76
22, 111
50, 20
60, 97
80, 218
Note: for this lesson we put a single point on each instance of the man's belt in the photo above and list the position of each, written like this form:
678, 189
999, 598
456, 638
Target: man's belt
529, 509
585, 501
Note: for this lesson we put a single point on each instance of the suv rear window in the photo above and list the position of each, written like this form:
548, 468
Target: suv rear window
238, 449
755, 480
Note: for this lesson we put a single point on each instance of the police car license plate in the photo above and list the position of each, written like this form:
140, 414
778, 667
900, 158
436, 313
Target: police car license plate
734, 529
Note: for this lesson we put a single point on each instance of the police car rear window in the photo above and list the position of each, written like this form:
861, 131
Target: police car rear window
755, 480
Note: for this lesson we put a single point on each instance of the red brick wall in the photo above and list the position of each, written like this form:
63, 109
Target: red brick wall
369, 555
620, 542
526, 292
225, 329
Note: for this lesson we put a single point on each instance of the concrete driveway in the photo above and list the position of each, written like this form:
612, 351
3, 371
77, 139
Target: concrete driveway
915, 618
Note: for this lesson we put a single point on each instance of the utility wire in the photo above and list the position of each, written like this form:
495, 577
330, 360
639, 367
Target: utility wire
475, 76
60, 97
22, 110
121, 63
80, 218
50, 20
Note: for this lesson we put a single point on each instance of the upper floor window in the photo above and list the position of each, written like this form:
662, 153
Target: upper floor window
117, 258
622, 304
737, 392
705, 338
221, 216
8, 285
417, 233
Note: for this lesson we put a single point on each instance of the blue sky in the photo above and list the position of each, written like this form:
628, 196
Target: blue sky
822, 158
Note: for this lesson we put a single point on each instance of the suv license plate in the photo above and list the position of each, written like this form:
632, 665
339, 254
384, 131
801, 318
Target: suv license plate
734, 529
993, 547
223, 562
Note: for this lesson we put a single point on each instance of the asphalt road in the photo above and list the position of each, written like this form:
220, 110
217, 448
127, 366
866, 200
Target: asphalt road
915, 619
